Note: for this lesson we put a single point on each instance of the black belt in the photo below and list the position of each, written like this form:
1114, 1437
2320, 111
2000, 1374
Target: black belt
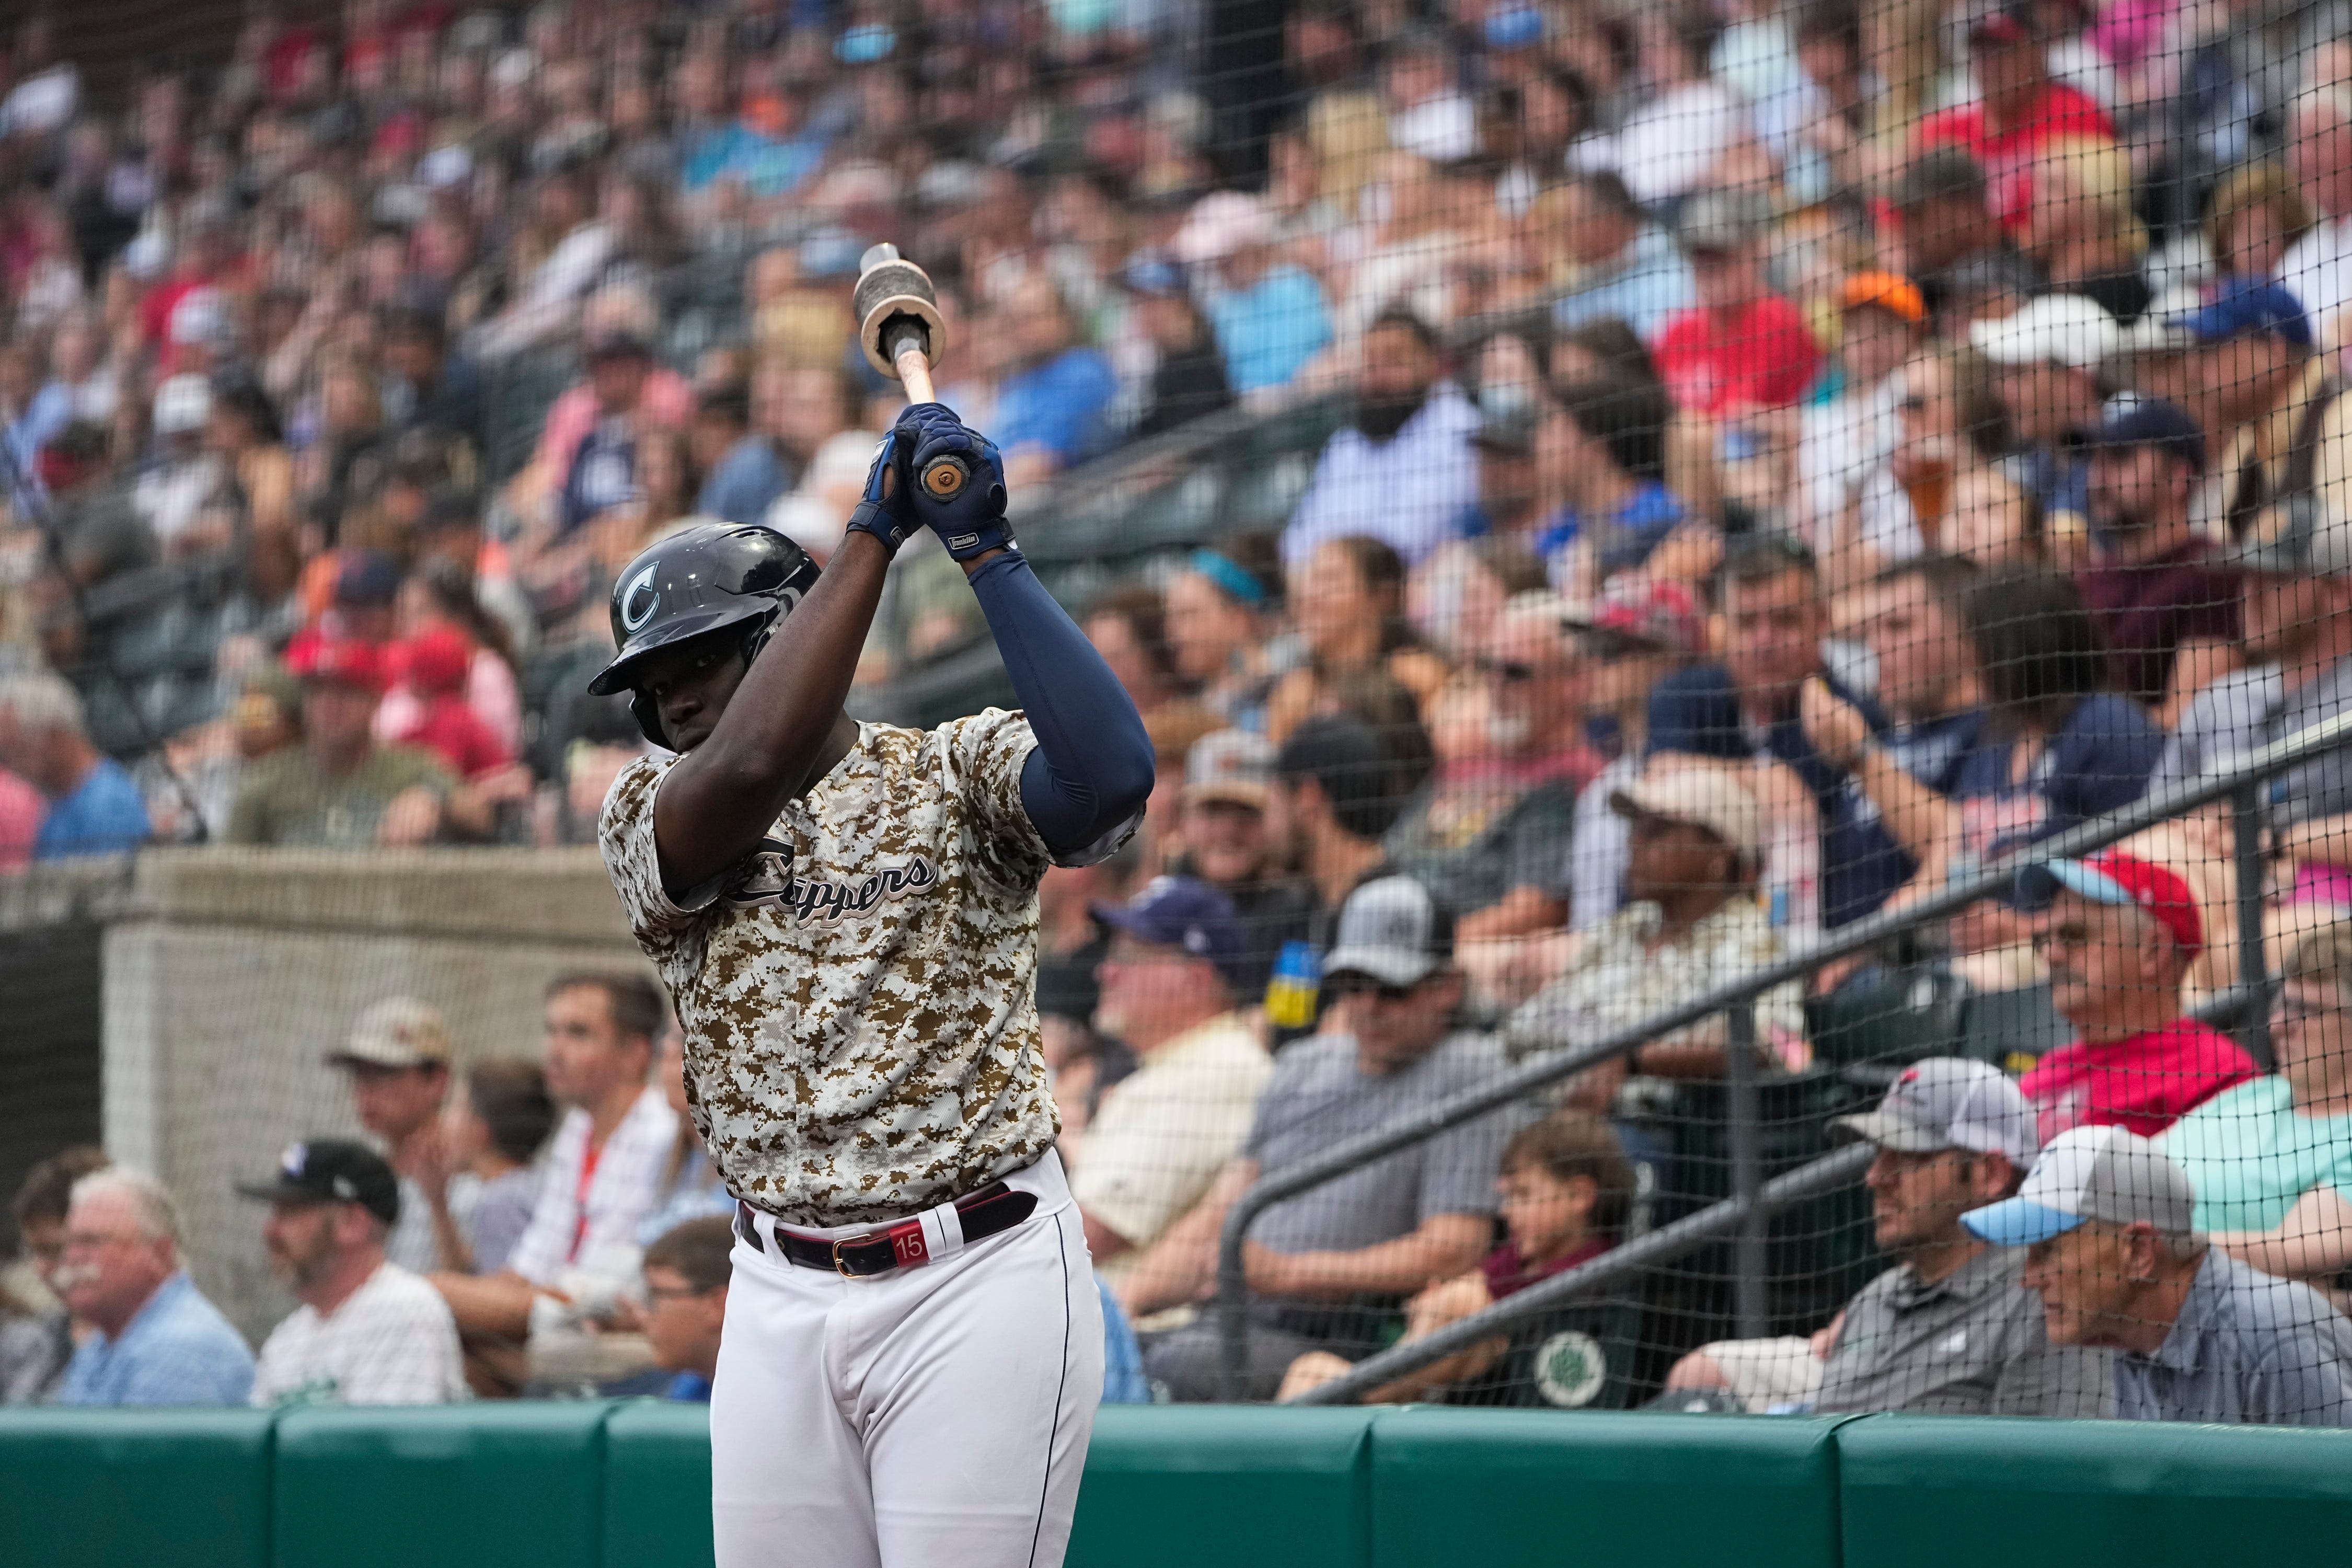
989, 1212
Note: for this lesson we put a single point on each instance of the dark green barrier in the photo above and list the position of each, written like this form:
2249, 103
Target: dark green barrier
1923, 1491
657, 1486
1188, 1484
1498, 1488
517, 1486
190, 1488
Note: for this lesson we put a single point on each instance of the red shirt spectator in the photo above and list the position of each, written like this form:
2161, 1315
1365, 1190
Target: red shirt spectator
2120, 934
436, 661
1742, 347
1762, 357
2020, 110
21, 809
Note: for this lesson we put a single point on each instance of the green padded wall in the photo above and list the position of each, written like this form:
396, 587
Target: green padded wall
92, 1489
657, 1486
1497, 1489
501, 1485
1923, 1491
1183, 1486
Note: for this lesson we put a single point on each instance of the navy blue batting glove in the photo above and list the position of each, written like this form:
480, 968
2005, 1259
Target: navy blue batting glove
885, 509
957, 482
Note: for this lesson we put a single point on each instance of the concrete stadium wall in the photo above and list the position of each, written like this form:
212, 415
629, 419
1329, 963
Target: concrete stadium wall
229, 974
589, 1484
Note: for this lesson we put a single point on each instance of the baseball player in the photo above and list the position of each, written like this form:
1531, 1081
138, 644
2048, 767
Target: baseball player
847, 916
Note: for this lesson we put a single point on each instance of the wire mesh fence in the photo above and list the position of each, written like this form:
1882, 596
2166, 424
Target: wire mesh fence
1590, 502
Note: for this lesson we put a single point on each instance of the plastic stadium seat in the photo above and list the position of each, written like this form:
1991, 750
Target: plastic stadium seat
99, 1488
1182, 1486
518, 1485
1503, 1489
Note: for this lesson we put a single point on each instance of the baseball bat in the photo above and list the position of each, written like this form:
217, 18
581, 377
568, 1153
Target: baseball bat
903, 333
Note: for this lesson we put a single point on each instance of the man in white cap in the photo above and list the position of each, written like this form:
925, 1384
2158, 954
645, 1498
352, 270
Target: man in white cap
397, 1059
2046, 355
2106, 1220
1948, 1330
1269, 317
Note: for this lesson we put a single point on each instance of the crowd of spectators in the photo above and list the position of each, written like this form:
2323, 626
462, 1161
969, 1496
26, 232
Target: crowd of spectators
1790, 458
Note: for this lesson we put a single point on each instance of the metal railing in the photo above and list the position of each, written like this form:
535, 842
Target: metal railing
1753, 1201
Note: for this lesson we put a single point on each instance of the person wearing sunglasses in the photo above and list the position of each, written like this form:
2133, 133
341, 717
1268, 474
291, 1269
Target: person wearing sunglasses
686, 1270
2271, 1160
1331, 1268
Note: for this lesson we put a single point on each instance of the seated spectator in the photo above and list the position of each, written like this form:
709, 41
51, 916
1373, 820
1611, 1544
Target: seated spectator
2295, 583
1403, 472
2018, 109
436, 664
2118, 937
1188, 373
602, 474
1563, 1194
2058, 747
1123, 1379
744, 474
1490, 834
1937, 492
1949, 1329
1642, 631
1841, 443
687, 1272
1337, 783
481, 1188
1269, 315
37, 1334
1174, 982
397, 1058
691, 1187
1691, 921
368, 1331
1218, 621
1348, 602
1620, 265
1741, 351
2109, 1225
1229, 844
338, 789
93, 806
153, 1339
1947, 229
2044, 359
1931, 704
1749, 709
21, 809
1049, 411
1328, 1268
2271, 1160
602, 1176
1600, 451
2166, 613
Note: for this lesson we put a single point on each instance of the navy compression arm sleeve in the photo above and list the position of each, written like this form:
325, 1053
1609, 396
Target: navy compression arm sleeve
1092, 768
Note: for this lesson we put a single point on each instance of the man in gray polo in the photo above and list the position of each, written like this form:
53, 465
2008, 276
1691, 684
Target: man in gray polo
1949, 1329
2106, 1218
2296, 582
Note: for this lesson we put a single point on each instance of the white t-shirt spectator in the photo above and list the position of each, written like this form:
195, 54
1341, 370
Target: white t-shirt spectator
393, 1342
1444, 129
588, 1208
1672, 143
2317, 270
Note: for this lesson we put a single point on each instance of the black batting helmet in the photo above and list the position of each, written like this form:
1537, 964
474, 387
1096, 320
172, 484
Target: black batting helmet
709, 577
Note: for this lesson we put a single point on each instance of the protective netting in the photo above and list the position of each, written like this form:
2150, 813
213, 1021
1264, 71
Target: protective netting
1591, 502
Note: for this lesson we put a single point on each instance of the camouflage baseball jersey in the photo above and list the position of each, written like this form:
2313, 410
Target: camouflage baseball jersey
858, 996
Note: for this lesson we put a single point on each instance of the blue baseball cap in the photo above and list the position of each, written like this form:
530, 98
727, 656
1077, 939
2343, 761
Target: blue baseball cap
2155, 423
2240, 306
1188, 913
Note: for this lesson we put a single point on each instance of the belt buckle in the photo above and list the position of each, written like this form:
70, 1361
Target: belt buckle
841, 1268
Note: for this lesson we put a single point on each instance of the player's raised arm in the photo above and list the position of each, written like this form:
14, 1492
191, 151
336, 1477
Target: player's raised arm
756, 732
1087, 781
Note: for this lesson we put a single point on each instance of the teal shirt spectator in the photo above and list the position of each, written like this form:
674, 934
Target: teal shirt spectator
721, 150
177, 1349
1648, 282
1269, 330
1123, 1379
2249, 1156
1058, 405
104, 815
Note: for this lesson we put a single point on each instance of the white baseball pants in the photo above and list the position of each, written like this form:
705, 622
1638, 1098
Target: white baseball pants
929, 1417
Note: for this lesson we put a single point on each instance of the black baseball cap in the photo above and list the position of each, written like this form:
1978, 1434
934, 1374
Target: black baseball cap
2155, 423
331, 1171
